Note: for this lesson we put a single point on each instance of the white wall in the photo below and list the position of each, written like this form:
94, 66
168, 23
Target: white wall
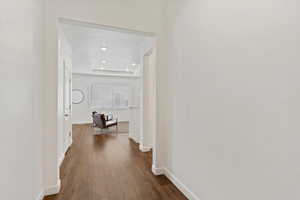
140, 15
232, 87
21, 137
82, 113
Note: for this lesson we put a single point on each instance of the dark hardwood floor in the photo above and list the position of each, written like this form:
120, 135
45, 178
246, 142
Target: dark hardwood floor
110, 167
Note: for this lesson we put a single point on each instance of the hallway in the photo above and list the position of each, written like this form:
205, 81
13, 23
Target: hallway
110, 167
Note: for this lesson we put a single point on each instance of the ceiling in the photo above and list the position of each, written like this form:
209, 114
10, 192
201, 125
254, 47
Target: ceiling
123, 51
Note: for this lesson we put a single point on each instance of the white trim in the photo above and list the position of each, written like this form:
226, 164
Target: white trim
105, 75
157, 171
54, 189
61, 159
65, 151
70, 142
41, 195
183, 188
144, 148
105, 27
153, 52
114, 71
134, 139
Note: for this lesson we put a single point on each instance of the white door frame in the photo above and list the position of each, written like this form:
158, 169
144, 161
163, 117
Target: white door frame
67, 111
150, 60
155, 165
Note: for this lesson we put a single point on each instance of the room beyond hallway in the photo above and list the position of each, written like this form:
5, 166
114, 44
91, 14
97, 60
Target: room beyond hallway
110, 167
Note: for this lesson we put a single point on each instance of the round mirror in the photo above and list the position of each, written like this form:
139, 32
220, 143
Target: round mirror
77, 96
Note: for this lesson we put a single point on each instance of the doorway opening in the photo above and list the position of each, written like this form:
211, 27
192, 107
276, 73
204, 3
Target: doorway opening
110, 71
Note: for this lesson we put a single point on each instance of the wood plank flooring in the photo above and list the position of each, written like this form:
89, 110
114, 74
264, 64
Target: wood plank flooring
110, 167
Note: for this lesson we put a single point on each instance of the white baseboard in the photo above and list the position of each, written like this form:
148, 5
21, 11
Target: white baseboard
54, 189
41, 196
187, 192
144, 149
134, 139
157, 171
70, 142
82, 123
61, 159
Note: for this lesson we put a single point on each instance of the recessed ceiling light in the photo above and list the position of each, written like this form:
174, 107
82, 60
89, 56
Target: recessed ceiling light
104, 48
103, 61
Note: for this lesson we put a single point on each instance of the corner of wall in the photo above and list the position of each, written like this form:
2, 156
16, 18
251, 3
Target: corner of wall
157, 171
40, 196
134, 139
145, 148
53, 189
